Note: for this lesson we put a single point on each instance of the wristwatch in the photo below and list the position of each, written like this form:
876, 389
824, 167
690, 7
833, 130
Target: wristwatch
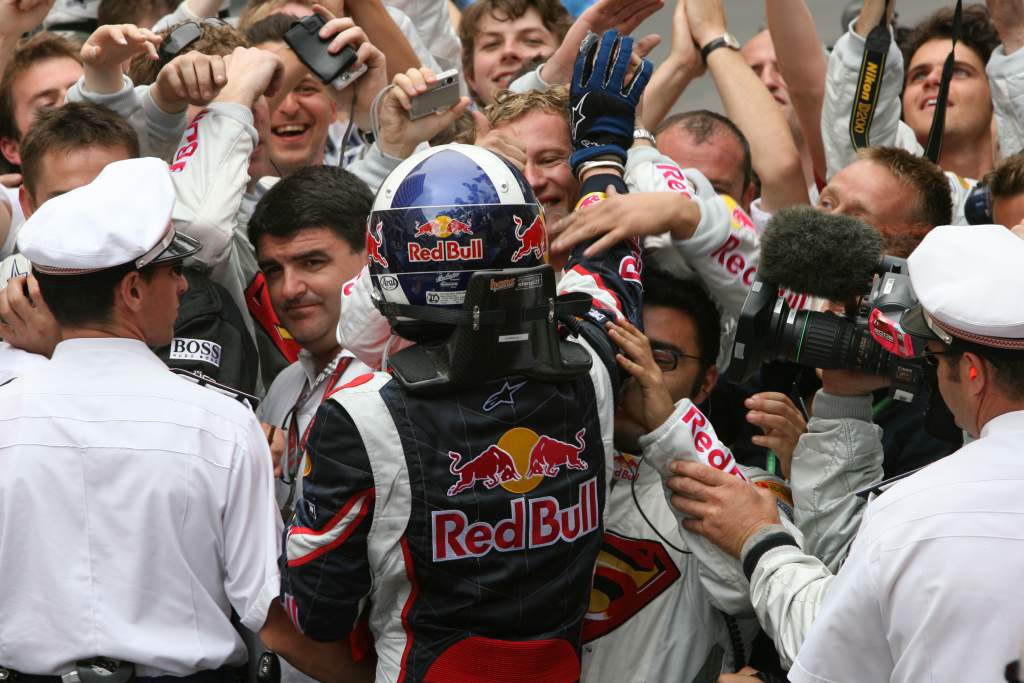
641, 133
725, 40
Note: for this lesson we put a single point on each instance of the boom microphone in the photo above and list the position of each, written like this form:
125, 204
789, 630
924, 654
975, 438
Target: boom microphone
824, 254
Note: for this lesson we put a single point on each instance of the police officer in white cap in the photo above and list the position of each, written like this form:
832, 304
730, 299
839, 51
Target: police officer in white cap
136, 508
931, 589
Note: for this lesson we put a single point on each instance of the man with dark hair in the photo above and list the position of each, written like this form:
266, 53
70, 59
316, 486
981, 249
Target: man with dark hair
712, 144
309, 233
500, 37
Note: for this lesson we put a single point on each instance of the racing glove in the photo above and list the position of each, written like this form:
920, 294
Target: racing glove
602, 104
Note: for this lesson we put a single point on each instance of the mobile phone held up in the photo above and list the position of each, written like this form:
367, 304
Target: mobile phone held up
440, 95
305, 41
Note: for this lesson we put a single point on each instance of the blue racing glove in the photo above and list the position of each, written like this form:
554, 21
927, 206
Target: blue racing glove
602, 104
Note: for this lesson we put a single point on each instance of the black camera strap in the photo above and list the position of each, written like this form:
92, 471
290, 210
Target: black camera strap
934, 147
869, 82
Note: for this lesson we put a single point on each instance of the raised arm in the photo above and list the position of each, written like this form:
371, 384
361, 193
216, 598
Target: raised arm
753, 109
682, 65
803, 65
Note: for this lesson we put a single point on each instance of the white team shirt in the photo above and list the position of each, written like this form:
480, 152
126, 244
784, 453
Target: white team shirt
136, 510
932, 588
15, 362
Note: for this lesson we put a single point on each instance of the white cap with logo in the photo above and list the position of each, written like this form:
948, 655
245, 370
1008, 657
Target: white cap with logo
122, 217
970, 282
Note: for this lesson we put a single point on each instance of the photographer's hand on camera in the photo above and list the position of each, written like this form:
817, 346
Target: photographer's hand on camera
192, 78
107, 48
851, 383
399, 135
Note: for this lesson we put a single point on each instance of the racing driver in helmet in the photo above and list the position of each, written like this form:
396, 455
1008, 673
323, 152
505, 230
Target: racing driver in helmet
456, 500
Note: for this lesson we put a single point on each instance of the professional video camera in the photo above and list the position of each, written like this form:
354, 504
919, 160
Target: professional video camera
837, 258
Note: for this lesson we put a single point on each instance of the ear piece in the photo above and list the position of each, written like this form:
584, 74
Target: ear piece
973, 373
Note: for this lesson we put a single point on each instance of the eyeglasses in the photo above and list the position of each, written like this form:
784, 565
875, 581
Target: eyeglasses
184, 35
668, 359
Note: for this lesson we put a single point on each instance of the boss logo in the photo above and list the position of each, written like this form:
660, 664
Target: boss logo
389, 282
195, 349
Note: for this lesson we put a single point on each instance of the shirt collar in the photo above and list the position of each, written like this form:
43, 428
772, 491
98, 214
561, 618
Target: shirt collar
306, 361
1005, 423
80, 346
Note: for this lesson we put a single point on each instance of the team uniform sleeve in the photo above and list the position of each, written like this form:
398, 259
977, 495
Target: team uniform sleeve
252, 530
325, 568
840, 93
210, 171
840, 454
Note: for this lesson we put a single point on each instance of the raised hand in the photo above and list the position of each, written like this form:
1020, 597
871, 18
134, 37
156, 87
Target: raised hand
192, 78
621, 15
21, 16
604, 108
251, 73
108, 47
399, 135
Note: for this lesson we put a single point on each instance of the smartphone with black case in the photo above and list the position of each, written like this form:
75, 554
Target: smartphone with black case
305, 41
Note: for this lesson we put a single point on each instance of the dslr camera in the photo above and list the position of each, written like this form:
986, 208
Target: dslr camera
870, 341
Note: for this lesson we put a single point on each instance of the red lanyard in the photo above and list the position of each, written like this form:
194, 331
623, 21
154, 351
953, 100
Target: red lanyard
297, 446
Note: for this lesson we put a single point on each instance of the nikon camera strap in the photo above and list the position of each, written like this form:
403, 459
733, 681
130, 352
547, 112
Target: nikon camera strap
934, 147
869, 83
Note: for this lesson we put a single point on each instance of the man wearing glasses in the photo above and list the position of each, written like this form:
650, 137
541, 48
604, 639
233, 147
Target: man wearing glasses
929, 590
657, 601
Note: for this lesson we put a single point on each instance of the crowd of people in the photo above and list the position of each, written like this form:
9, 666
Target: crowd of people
294, 374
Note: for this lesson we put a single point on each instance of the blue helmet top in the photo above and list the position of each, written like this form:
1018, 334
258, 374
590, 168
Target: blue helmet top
445, 213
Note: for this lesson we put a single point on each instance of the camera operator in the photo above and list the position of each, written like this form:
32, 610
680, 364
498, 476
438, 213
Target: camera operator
929, 586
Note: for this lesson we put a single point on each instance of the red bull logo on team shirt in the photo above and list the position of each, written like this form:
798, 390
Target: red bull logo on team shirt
443, 226
519, 462
533, 523
533, 239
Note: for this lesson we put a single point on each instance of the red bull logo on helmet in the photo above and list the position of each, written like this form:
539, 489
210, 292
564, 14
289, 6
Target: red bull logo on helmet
446, 250
373, 242
443, 226
519, 462
533, 523
532, 240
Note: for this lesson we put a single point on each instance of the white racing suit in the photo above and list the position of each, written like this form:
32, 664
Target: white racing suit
656, 610
1006, 81
841, 453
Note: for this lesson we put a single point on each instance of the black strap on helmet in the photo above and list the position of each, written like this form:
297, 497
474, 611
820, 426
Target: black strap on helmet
508, 324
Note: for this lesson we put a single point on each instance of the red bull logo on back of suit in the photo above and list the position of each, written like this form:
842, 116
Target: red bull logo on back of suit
518, 463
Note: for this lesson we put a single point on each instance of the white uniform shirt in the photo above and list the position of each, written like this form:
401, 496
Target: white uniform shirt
932, 588
15, 362
136, 510
10, 196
